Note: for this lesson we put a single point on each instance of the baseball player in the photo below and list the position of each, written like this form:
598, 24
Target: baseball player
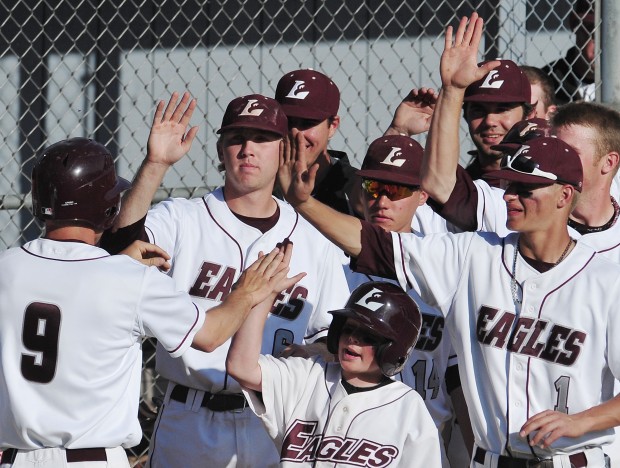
543, 92
310, 100
349, 413
391, 196
204, 420
72, 319
532, 315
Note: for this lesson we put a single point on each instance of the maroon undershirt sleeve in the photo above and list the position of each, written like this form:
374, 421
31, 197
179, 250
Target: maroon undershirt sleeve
114, 242
462, 206
377, 254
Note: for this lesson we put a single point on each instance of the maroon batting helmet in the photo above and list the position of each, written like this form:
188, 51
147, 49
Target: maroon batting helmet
75, 180
386, 310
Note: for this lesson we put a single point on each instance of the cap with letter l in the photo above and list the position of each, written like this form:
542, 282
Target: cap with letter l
255, 111
394, 159
308, 94
506, 83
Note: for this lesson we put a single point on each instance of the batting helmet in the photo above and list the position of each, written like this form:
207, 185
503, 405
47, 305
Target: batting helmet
75, 180
386, 310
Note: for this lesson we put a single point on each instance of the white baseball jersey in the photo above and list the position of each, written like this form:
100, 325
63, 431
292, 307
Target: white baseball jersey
210, 247
315, 422
426, 221
425, 370
71, 323
556, 351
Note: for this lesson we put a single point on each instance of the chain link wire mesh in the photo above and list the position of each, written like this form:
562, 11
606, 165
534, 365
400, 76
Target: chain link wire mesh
97, 68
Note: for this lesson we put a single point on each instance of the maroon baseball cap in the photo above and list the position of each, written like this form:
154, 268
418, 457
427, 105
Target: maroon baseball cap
543, 160
394, 159
506, 83
522, 132
308, 94
255, 111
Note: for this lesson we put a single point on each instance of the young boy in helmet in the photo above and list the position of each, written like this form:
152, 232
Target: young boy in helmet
350, 412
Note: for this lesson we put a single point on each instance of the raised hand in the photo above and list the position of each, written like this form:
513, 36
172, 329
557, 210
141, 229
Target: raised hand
459, 60
267, 275
295, 176
169, 139
413, 115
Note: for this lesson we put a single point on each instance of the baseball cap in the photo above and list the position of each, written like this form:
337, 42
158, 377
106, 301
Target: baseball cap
542, 160
395, 159
308, 94
506, 83
522, 132
255, 111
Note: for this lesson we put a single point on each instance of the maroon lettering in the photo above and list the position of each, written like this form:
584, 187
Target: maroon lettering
563, 345
384, 456
289, 305
573, 347
500, 331
223, 286
551, 351
524, 325
485, 316
430, 333
203, 283
301, 444
533, 348
362, 452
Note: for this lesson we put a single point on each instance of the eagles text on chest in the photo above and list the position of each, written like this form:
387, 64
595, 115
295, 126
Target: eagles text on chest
529, 336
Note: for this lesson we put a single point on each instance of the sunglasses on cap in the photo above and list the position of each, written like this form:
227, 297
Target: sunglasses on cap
394, 192
362, 335
525, 165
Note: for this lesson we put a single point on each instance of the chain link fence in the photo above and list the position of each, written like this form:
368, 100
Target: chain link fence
96, 68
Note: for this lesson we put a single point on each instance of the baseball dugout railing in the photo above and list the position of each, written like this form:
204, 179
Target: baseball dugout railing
96, 68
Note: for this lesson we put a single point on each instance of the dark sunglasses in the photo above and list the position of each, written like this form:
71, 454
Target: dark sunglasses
362, 335
394, 192
524, 165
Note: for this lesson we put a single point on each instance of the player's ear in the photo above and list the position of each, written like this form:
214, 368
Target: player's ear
334, 123
423, 197
566, 196
610, 162
220, 155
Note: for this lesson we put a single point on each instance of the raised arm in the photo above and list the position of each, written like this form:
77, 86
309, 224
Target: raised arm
169, 140
242, 359
256, 284
459, 68
413, 114
297, 180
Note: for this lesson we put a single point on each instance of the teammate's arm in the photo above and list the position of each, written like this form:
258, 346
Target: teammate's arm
413, 114
462, 416
264, 277
458, 68
548, 426
297, 180
242, 359
169, 140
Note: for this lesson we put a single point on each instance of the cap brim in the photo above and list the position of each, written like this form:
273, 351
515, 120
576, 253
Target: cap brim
254, 125
513, 176
302, 112
389, 178
494, 98
510, 148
